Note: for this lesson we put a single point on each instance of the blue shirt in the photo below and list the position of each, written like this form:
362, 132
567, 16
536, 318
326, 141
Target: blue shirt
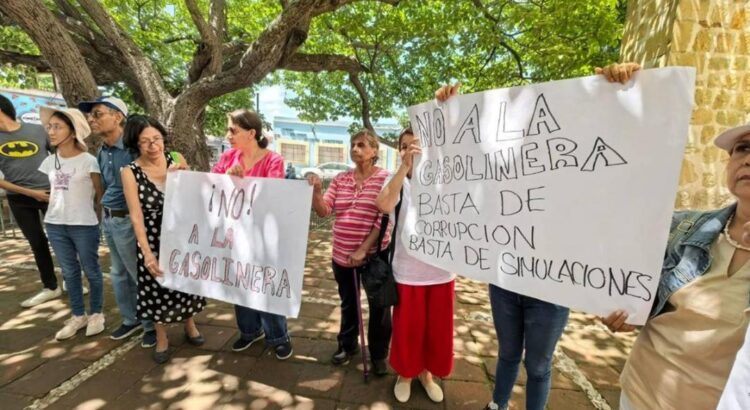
111, 159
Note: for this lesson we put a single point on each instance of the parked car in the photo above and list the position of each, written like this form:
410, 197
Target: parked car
326, 170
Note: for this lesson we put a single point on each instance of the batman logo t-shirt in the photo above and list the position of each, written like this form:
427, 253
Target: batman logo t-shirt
21, 153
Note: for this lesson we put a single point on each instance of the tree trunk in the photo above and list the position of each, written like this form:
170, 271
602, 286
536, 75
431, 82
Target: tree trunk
185, 127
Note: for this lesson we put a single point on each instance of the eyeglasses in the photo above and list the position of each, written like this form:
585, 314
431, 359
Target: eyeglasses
148, 144
54, 127
97, 114
233, 130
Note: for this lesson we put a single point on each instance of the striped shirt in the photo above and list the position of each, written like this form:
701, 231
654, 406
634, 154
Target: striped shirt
355, 211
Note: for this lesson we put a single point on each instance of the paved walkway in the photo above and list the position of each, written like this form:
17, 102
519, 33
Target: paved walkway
98, 373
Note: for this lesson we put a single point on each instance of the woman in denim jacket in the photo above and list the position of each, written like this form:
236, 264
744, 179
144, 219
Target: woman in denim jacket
684, 354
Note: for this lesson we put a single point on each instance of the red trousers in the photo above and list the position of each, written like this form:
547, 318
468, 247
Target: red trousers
423, 330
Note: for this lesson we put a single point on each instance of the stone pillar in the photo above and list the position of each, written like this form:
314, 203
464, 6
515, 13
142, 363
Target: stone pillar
714, 37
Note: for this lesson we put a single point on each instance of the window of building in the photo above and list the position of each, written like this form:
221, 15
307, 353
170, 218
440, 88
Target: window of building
296, 153
329, 153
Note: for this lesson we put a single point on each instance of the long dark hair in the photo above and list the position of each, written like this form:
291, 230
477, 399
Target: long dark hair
249, 120
135, 125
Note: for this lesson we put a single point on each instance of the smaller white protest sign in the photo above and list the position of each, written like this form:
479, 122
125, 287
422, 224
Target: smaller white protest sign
737, 391
240, 240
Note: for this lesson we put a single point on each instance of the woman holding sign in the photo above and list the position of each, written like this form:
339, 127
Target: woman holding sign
420, 348
685, 351
351, 197
249, 157
144, 185
526, 328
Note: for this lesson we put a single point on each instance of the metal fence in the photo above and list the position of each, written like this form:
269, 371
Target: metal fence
317, 223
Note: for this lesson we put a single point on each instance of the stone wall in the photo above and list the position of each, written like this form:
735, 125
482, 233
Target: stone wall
714, 37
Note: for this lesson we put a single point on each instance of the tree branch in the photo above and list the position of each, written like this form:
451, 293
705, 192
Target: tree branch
325, 6
354, 79
323, 62
207, 59
74, 77
68, 9
155, 93
516, 56
14, 58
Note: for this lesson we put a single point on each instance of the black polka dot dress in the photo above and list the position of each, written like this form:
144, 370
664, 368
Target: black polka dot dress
156, 303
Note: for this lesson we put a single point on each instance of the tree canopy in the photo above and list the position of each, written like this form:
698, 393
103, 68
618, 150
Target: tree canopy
195, 59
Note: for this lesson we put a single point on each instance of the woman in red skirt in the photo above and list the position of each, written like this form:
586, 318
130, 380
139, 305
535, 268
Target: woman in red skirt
419, 348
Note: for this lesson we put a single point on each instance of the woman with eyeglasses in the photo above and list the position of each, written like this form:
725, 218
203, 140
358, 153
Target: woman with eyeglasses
250, 157
351, 198
72, 218
144, 183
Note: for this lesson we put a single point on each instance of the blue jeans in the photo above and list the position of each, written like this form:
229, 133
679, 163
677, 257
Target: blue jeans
122, 250
76, 246
524, 322
253, 323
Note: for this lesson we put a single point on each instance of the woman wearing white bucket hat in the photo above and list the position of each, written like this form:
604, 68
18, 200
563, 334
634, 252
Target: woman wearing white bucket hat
72, 219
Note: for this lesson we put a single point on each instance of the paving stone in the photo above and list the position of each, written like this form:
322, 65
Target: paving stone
375, 390
232, 363
467, 371
316, 310
568, 399
44, 378
466, 395
98, 392
18, 339
138, 359
88, 349
14, 366
274, 373
319, 381
612, 397
603, 377
12, 401
217, 337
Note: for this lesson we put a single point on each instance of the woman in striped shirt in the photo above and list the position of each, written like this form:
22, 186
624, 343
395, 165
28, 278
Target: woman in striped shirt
351, 198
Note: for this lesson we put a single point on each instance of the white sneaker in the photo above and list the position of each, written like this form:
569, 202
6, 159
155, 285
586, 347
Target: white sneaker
95, 324
72, 325
83, 288
434, 392
402, 389
41, 297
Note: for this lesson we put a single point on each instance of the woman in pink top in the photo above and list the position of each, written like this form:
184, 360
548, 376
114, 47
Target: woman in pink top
249, 157
351, 197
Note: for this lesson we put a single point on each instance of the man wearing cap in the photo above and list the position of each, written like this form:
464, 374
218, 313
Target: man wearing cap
106, 116
23, 147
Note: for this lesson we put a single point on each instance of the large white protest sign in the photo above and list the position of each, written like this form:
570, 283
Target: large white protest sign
240, 240
737, 391
562, 191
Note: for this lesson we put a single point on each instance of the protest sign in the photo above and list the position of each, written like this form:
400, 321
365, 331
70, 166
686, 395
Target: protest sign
562, 191
240, 240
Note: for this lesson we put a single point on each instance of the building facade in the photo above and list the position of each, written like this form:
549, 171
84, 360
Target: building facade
305, 144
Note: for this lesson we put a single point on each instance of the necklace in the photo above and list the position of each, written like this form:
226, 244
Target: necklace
729, 238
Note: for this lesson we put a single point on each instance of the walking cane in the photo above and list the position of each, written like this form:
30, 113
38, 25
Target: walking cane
362, 339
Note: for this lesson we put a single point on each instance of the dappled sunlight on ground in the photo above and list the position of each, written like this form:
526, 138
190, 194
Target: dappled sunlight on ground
112, 374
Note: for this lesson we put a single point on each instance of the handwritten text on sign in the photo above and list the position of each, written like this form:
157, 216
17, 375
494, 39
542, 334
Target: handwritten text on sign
240, 240
562, 191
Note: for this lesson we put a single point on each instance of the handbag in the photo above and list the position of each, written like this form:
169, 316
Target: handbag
377, 272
